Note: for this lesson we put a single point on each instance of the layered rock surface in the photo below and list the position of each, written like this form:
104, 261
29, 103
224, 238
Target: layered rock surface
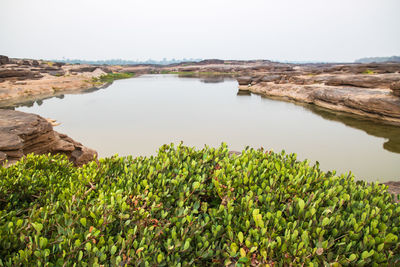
23, 133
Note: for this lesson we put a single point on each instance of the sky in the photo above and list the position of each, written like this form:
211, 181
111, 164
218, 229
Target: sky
284, 30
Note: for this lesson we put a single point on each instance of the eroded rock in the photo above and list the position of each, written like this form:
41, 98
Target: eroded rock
24, 133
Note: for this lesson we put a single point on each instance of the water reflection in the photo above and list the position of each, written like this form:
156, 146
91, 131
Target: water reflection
371, 127
207, 79
243, 93
29, 101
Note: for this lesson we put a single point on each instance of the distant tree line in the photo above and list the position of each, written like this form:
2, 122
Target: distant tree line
378, 59
127, 62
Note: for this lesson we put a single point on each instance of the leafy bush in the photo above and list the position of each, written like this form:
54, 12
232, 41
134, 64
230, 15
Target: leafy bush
193, 207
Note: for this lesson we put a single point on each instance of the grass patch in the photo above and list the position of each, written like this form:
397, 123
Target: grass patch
368, 71
110, 77
188, 207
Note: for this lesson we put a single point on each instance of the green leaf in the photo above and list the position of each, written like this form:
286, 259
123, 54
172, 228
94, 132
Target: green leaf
38, 226
187, 245
196, 185
113, 250
42, 242
352, 257
390, 238
83, 221
325, 222
301, 204
234, 247
364, 255
240, 236
88, 246
242, 252
80, 255
160, 258
243, 260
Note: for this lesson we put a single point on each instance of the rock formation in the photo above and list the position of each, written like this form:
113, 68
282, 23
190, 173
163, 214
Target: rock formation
23, 133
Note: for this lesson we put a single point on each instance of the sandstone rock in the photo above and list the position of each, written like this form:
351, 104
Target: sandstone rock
270, 78
3, 157
394, 188
84, 68
8, 73
365, 81
58, 64
105, 69
4, 60
57, 73
23, 133
211, 61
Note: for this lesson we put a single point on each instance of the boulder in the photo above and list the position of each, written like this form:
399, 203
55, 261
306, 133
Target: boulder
244, 80
23, 133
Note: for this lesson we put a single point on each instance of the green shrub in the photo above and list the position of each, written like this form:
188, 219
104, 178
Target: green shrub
193, 207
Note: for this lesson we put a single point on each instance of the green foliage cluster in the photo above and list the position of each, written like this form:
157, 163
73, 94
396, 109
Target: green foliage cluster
110, 77
193, 207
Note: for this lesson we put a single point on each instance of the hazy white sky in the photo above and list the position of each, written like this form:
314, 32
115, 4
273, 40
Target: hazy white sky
321, 30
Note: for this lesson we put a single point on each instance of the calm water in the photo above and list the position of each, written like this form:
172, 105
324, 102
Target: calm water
136, 116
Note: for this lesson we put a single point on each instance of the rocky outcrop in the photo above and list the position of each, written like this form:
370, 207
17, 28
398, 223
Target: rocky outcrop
364, 81
4, 60
23, 133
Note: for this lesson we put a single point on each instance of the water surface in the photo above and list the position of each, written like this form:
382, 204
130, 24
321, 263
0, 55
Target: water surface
136, 116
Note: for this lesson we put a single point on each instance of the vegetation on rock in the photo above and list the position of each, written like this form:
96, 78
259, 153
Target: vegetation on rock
193, 207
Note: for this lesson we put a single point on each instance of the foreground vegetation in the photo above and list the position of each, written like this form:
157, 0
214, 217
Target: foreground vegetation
110, 77
189, 207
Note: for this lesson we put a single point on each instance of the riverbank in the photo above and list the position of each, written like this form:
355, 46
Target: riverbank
368, 90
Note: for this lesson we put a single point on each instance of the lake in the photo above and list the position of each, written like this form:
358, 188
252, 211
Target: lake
136, 116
